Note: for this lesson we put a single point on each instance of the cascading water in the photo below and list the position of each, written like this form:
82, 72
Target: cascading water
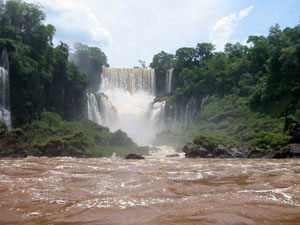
94, 109
101, 110
5, 114
157, 115
169, 79
125, 102
190, 110
130, 80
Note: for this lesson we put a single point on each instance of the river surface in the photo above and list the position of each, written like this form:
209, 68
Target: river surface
158, 190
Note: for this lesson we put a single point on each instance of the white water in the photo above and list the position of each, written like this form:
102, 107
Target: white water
169, 79
94, 109
190, 111
5, 114
125, 103
157, 114
163, 152
130, 80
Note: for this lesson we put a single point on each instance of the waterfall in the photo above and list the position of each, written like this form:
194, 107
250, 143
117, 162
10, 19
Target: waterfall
157, 115
101, 110
169, 78
123, 102
180, 113
174, 115
108, 111
5, 114
131, 80
93, 109
204, 100
190, 110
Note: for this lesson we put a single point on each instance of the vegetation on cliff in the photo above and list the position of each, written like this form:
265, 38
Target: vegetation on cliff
90, 61
41, 76
51, 136
252, 88
45, 79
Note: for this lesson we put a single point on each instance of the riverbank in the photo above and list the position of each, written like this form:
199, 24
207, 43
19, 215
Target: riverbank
51, 136
265, 145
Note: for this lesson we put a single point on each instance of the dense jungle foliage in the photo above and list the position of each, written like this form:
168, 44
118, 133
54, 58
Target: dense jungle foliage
90, 61
48, 88
252, 88
51, 136
41, 76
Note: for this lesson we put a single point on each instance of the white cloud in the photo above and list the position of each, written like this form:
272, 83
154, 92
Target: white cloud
75, 16
225, 27
134, 29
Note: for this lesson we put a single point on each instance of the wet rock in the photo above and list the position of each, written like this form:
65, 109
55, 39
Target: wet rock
134, 156
239, 152
294, 150
290, 151
195, 151
210, 150
258, 153
173, 156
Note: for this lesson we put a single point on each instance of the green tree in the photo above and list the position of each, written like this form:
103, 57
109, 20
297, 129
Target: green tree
90, 60
161, 63
186, 57
41, 78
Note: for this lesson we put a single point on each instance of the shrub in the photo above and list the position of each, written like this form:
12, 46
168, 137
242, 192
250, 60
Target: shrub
265, 139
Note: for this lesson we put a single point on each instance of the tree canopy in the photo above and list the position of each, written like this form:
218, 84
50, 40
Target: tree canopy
41, 76
267, 70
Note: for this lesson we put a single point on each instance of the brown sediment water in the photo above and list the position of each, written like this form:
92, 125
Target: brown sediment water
157, 190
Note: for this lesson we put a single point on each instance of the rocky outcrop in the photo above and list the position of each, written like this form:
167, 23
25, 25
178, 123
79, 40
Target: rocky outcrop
262, 153
134, 156
211, 150
13, 143
290, 151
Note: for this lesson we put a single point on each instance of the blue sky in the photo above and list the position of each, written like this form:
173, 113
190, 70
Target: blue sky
129, 30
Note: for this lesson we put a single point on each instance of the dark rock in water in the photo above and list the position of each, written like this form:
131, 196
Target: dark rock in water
173, 156
134, 156
239, 152
290, 151
210, 150
294, 150
258, 153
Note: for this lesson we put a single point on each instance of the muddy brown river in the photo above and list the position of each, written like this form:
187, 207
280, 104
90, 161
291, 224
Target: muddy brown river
158, 190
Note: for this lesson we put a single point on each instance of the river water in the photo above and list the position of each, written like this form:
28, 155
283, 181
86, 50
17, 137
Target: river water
158, 190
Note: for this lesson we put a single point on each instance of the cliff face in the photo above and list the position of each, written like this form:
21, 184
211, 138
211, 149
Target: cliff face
178, 113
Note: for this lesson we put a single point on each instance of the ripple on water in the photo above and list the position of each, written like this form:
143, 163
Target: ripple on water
154, 191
